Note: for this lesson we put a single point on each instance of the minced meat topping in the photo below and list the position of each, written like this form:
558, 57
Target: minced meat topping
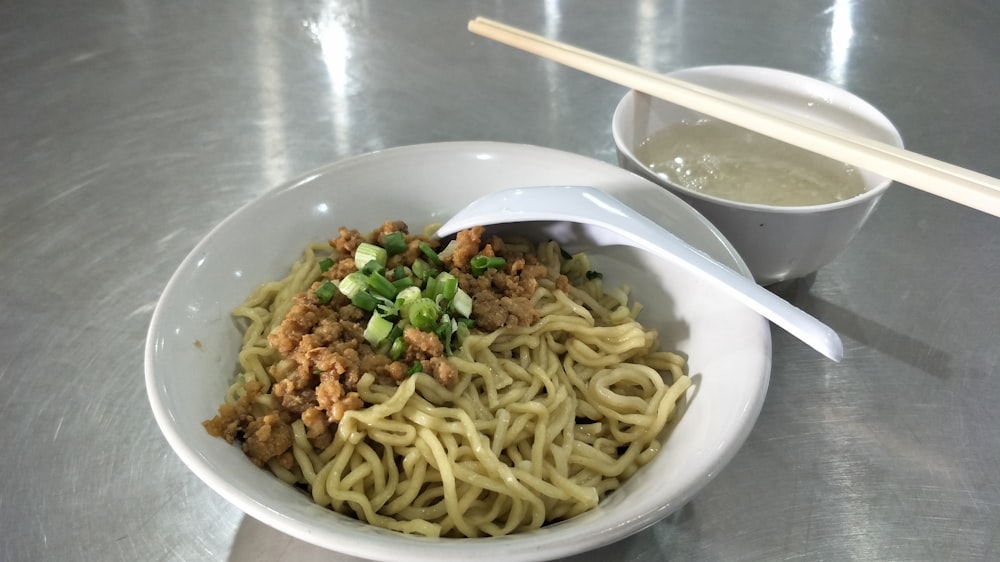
324, 351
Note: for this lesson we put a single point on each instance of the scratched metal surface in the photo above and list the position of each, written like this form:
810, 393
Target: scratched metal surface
128, 129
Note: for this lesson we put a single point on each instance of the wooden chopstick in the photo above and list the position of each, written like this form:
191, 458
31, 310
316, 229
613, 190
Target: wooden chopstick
945, 180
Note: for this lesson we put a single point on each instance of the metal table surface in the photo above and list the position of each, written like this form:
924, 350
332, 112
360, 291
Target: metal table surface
129, 129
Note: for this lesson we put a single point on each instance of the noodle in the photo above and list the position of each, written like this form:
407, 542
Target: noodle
543, 421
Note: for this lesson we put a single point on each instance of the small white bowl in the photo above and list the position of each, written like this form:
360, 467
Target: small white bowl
777, 242
192, 342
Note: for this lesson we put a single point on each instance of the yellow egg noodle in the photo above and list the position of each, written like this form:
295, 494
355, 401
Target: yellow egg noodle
544, 421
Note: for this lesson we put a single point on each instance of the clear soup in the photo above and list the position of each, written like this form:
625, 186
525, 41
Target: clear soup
720, 159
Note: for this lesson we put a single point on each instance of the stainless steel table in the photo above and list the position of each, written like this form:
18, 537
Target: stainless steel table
128, 129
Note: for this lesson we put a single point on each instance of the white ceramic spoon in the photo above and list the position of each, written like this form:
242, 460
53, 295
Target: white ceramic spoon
588, 205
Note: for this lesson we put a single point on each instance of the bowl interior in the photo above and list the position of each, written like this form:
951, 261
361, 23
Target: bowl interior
192, 341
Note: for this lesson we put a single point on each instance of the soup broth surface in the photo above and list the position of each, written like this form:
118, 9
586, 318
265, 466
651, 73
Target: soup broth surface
720, 159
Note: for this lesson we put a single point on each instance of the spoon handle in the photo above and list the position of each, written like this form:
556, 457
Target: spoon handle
650, 236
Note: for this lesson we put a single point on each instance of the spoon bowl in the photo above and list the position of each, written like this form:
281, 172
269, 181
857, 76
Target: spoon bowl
588, 205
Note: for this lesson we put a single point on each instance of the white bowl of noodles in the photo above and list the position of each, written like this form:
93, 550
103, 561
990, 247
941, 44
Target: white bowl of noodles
193, 341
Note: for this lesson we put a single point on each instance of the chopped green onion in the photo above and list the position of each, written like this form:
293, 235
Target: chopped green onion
481, 263
423, 314
446, 285
394, 243
565, 255
353, 284
373, 267
420, 295
462, 330
397, 332
408, 295
594, 275
431, 255
403, 283
367, 252
444, 332
399, 273
420, 268
417, 367
326, 291
377, 330
364, 301
396, 349
430, 287
448, 250
386, 307
382, 286
462, 303
443, 329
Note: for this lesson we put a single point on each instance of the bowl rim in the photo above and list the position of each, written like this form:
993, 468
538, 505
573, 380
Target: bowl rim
511, 547
742, 73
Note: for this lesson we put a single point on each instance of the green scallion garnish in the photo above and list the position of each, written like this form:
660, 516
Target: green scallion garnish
382, 286
420, 295
396, 349
479, 264
431, 255
463, 325
394, 243
444, 332
408, 295
430, 287
367, 252
373, 267
377, 330
447, 286
325, 292
420, 269
353, 284
423, 314
402, 283
364, 301
399, 272
462, 303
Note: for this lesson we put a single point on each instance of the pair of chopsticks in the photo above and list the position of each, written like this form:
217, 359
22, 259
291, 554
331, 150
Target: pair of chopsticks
948, 181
